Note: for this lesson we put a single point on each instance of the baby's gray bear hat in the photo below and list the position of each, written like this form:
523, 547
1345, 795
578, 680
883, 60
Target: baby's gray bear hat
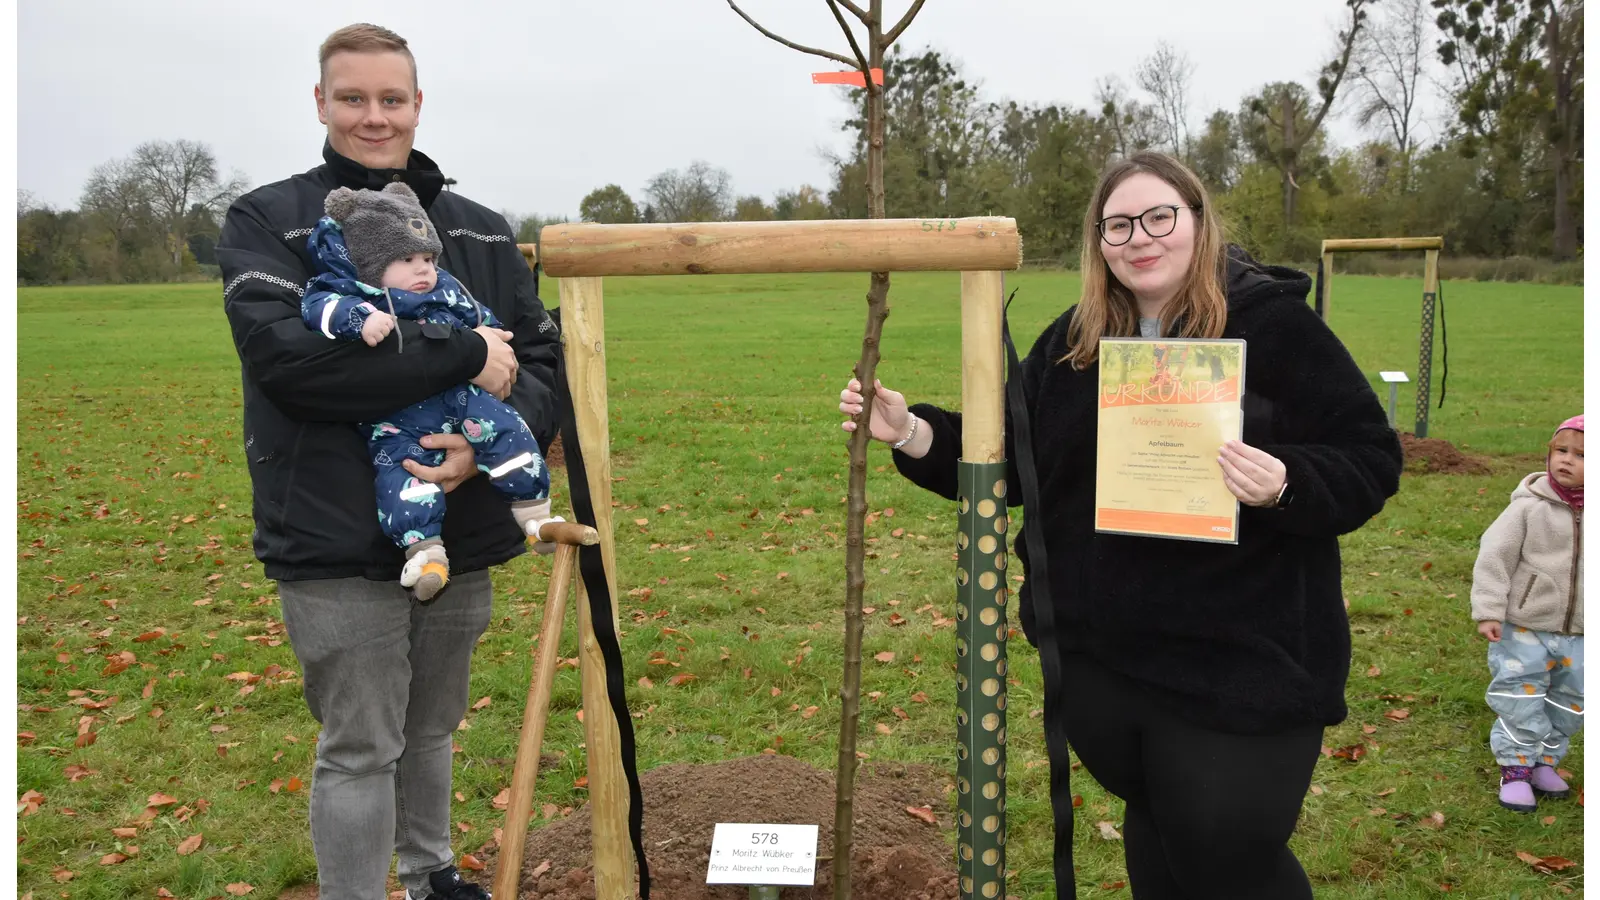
381, 226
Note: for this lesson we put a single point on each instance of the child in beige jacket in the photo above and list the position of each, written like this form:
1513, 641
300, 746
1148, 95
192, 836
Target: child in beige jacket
1527, 598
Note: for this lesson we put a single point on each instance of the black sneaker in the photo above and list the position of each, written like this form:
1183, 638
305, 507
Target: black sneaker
447, 884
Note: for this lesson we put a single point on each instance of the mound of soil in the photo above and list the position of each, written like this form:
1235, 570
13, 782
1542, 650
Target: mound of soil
554, 457
896, 855
1439, 456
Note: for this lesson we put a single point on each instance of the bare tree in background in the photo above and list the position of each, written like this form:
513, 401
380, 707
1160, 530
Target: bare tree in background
1134, 125
180, 175
1388, 68
116, 199
1283, 122
1165, 75
700, 193
878, 41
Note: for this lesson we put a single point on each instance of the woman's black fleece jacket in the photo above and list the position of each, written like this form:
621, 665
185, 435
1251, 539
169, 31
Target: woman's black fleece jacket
1246, 638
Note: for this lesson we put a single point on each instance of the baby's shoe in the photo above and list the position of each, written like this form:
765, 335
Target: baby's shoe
427, 569
1546, 783
532, 515
1516, 791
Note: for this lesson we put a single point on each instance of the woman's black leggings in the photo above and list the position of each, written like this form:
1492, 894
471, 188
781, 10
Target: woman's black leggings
1208, 814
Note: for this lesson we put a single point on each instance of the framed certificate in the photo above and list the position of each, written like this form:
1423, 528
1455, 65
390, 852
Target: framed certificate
1166, 407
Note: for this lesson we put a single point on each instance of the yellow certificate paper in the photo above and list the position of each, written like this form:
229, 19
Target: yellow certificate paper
1166, 408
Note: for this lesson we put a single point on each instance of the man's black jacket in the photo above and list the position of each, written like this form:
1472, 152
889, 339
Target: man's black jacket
315, 511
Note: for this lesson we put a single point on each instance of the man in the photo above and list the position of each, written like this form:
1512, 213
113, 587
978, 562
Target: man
386, 676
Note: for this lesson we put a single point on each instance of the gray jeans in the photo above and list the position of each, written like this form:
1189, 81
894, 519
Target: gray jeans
387, 679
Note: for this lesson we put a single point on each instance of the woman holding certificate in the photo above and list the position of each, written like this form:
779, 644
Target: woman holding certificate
1203, 440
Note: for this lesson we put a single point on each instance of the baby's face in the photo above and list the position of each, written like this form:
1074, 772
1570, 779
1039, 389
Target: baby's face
414, 273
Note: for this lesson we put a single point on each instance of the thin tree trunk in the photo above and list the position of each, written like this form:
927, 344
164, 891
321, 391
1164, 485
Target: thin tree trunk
855, 541
1291, 153
1565, 239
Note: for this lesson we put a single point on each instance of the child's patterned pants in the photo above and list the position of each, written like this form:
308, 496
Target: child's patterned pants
412, 510
1537, 689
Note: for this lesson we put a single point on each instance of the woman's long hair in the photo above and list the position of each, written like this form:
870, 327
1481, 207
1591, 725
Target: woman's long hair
1107, 308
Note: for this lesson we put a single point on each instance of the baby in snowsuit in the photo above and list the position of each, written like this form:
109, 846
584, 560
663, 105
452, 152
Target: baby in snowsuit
376, 251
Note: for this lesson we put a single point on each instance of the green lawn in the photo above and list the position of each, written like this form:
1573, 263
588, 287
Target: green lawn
134, 537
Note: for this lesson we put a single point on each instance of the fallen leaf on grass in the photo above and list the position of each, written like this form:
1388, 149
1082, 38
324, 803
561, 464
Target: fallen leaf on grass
111, 859
502, 799
239, 888
276, 785
925, 813
190, 844
468, 861
62, 875
1399, 715
1352, 752
1108, 832
28, 803
886, 656
293, 785
125, 833
1385, 792
919, 697
481, 703
1077, 800
1549, 865
1374, 672
77, 772
1548, 820
809, 712
1435, 821
882, 728
159, 800
1113, 885
680, 679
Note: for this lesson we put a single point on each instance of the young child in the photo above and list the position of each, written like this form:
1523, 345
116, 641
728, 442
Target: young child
1529, 576
378, 247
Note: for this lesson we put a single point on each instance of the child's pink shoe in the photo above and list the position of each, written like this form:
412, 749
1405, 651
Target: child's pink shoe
1546, 783
1516, 791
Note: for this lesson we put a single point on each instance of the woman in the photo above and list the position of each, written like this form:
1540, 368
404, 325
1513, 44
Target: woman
1197, 677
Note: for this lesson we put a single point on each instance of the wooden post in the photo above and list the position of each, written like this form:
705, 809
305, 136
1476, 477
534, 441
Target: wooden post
1430, 294
1327, 280
983, 410
732, 248
1346, 245
981, 626
583, 342
534, 716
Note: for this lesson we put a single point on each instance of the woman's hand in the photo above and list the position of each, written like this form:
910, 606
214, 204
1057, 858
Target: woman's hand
891, 418
459, 461
1254, 476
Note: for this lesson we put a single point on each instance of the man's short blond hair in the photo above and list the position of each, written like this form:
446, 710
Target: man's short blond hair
363, 37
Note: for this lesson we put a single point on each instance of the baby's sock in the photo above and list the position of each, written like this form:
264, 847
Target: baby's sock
427, 569
531, 515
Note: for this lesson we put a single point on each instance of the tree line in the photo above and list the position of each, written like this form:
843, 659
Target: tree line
1499, 174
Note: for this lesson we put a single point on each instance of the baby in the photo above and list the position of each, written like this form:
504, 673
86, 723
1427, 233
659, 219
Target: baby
379, 247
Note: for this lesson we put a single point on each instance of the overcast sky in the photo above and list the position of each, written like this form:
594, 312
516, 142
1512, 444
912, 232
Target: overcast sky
531, 104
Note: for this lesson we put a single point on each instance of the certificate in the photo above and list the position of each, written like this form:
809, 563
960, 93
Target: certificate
1166, 408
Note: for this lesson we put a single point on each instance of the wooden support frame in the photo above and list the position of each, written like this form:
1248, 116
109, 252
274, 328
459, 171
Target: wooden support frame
579, 255
1430, 247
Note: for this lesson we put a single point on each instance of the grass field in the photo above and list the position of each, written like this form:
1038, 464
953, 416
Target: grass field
140, 602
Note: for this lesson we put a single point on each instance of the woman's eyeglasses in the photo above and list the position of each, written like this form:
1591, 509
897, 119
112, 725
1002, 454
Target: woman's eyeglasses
1157, 221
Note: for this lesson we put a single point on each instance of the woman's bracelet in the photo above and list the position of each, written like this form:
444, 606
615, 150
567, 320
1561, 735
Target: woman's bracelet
911, 433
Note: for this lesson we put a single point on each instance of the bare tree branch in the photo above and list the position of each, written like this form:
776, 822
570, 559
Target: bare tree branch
825, 54
905, 20
856, 11
861, 58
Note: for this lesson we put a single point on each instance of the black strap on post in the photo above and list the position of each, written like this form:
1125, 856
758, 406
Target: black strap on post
1317, 303
1444, 335
592, 567
1055, 735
